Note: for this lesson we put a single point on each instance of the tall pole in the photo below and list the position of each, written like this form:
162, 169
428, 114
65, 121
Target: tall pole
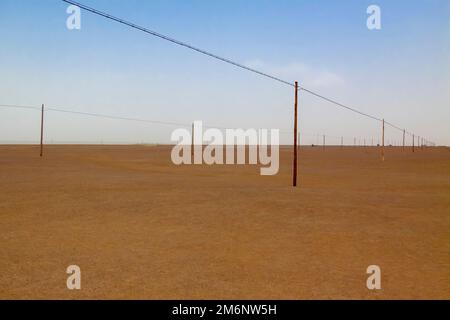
294, 177
382, 143
404, 132
42, 130
413, 143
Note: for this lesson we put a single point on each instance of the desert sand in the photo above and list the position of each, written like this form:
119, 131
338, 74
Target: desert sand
140, 227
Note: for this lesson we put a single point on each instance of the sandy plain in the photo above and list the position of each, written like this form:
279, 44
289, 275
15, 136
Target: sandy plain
140, 227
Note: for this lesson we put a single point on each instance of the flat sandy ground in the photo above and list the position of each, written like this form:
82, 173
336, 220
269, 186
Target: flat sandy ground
140, 227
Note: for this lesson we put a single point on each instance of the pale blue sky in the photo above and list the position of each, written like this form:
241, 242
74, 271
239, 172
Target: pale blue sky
401, 72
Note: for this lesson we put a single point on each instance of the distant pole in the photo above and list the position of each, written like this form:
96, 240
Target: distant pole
382, 143
42, 130
192, 143
294, 177
323, 144
421, 145
404, 132
364, 142
413, 143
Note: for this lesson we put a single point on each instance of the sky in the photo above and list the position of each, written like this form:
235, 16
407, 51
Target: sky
400, 72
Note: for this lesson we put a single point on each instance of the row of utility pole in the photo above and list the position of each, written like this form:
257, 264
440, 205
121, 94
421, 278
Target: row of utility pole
421, 142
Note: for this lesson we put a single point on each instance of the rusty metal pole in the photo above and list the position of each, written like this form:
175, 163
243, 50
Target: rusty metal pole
294, 173
42, 130
382, 143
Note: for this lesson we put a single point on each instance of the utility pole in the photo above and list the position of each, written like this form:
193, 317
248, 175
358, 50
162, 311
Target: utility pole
382, 146
294, 177
192, 143
42, 130
404, 132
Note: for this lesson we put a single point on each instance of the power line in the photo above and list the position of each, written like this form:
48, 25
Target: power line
339, 104
98, 115
226, 60
50, 108
14, 106
393, 126
106, 116
184, 44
